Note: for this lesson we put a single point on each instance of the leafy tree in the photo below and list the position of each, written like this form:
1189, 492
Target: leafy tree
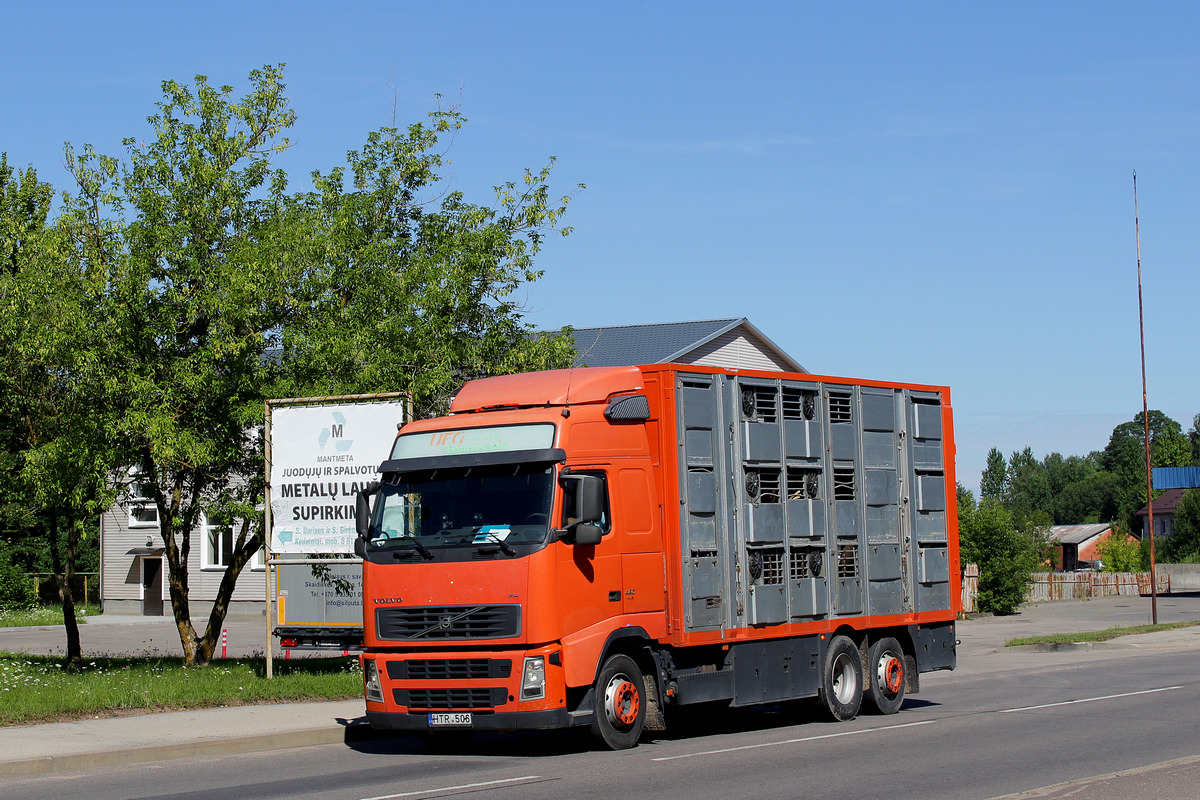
1028, 485
400, 294
994, 481
221, 289
1064, 471
54, 442
1184, 541
1006, 556
1124, 456
1194, 438
1090, 500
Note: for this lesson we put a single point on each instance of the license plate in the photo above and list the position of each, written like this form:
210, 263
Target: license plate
449, 719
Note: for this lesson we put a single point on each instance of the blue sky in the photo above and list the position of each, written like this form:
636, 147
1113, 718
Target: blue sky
937, 193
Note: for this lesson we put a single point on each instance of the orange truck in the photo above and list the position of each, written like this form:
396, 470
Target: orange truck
607, 547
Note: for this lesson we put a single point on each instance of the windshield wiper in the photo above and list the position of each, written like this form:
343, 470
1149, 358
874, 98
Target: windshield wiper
425, 552
504, 546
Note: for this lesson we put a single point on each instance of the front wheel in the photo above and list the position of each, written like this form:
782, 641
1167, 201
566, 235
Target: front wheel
841, 689
887, 675
620, 703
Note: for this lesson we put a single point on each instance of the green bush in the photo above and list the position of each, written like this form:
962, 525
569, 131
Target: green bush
1118, 553
1007, 554
16, 589
1184, 541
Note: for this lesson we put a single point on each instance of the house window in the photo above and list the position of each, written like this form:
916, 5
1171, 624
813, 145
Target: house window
218, 543
143, 513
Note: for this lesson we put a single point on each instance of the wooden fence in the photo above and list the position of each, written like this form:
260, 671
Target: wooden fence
1071, 585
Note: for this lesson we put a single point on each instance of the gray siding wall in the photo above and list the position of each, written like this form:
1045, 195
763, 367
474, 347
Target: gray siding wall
736, 349
121, 572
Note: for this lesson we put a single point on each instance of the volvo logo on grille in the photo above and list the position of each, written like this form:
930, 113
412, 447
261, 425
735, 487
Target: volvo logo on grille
445, 621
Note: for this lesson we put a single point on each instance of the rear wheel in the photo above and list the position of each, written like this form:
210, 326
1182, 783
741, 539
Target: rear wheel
620, 703
841, 689
887, 675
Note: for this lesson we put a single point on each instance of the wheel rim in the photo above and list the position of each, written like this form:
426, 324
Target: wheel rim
845, 683
621, 701
889, 673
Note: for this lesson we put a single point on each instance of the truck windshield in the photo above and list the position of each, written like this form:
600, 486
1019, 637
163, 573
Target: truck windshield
507, 504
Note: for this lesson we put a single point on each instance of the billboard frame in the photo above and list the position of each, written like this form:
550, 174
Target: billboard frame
406, 414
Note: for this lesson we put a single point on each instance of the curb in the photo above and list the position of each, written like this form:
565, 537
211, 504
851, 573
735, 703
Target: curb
47, 765
1111, 644
1062, 647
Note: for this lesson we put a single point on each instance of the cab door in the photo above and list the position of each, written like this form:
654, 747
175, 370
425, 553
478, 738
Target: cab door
636, 515
589, 576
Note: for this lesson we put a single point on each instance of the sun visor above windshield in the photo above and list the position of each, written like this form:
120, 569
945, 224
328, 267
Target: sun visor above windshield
551, 388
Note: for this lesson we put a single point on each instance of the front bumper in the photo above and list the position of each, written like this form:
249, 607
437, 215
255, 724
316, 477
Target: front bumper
484, 683
551, 719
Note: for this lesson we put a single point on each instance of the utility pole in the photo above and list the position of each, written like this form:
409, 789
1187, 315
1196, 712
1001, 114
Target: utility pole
1145, 412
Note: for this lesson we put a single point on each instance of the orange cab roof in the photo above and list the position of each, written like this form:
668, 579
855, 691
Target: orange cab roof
558, 387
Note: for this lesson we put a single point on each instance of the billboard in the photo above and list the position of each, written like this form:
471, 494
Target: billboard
321, 455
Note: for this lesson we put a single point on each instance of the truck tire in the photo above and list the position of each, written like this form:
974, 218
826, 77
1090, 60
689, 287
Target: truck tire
886, 675
841, 691
620, 703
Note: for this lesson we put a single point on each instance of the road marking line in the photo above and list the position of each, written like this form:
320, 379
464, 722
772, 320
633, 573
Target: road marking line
795, 741
455, 788
1089, 699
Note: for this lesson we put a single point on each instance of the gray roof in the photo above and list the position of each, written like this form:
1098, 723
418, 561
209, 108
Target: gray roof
661, 343
1077, 534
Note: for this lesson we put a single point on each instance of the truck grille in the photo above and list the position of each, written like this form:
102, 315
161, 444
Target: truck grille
448, 622
449, 669
435, 699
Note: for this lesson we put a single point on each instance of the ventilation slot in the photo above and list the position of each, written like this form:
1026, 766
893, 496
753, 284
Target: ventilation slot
803, 483
839, 408
762, 485
807, 562
449, 669
766, 566
758, 404
423, 699
799, 404
847, 560
843, 483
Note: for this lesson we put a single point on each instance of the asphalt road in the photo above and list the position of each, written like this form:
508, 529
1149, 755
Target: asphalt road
1005, 723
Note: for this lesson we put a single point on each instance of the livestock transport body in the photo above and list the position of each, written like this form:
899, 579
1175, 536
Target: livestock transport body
600, 547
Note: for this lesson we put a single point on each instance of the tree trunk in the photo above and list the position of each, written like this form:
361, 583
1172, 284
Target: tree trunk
247, 546
74, 660
62, 579
177, 569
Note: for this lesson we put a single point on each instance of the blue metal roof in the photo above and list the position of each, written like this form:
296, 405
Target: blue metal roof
1176, 477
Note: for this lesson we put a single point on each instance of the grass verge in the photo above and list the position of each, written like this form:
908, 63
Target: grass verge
41, 616
1097, 636
37, 689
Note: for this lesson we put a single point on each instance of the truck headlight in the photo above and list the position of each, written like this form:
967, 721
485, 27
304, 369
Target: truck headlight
533, 678
371, 681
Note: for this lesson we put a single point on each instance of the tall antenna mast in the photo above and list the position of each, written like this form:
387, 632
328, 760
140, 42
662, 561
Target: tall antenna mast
1145, 411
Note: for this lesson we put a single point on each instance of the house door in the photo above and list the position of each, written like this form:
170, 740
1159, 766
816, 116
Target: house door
152, 587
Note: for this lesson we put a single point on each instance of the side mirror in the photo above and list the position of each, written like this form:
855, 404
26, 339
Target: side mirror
585, 503
590, 498
588, 533
362, 512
